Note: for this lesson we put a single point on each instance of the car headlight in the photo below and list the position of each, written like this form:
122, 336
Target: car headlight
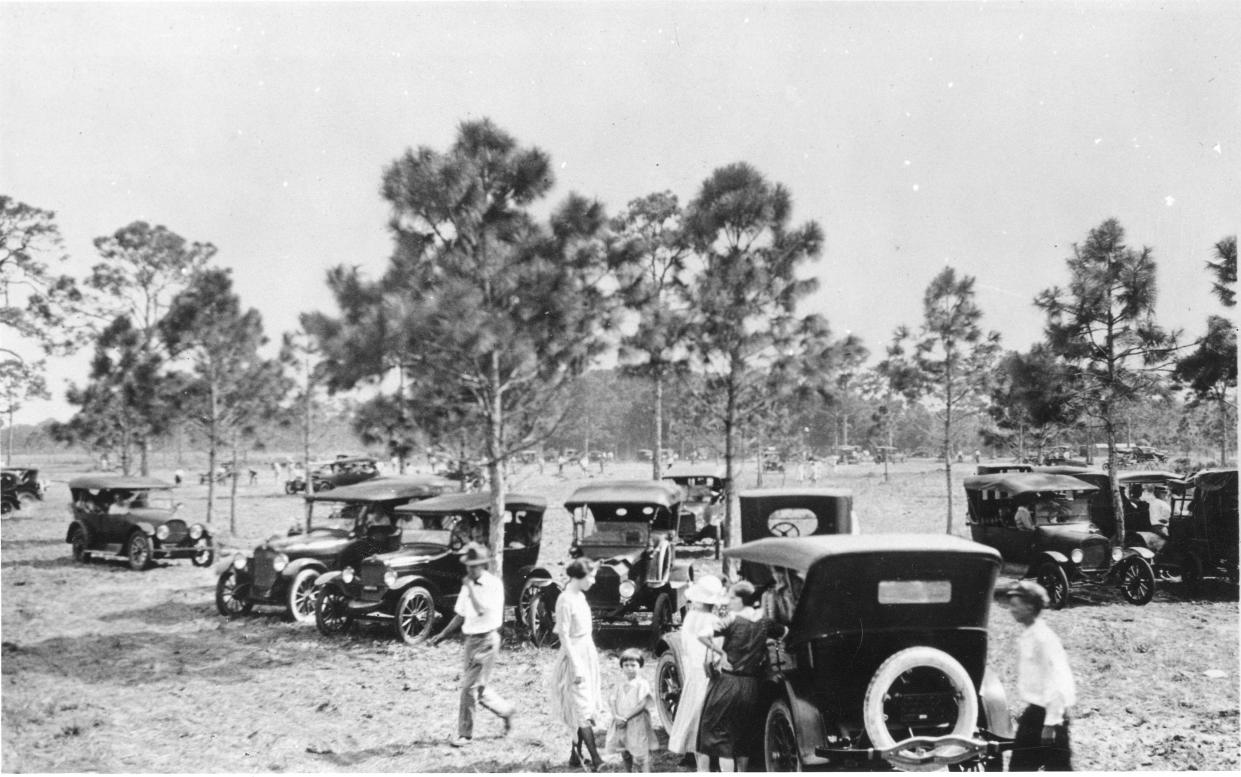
280, 562
239, 561
1077, 555
627, 589
347, 575
390, 578
196, 531
161, 533
1117, 553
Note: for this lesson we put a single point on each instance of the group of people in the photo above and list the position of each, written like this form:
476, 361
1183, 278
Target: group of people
723, 658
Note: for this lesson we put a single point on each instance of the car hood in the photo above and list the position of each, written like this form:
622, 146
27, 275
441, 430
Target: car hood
307, 545
410, 556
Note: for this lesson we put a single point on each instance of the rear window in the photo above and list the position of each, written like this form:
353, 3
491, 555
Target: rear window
792, 522
915, 591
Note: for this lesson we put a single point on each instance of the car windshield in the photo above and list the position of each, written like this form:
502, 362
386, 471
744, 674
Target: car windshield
156, 498
446, 529
343, 517
1060, 509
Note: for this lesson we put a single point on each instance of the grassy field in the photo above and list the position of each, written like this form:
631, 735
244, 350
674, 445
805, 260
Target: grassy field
105, 669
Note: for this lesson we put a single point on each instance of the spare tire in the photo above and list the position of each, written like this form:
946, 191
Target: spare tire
881, 690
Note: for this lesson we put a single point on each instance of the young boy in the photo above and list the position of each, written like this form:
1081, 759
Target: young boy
1044, 683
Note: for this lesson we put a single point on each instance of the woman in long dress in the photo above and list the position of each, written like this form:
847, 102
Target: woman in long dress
728, 728
576, 696
704, 596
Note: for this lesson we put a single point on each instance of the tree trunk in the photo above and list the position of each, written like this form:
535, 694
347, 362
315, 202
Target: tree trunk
8, 451
306, 419
1118, 507
1223, 428
730, 418
144, 456
495, 447
232, 492
657, 457
758, 454
212, 422
948, 460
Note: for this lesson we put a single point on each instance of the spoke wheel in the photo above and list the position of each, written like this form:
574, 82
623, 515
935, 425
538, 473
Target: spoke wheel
1055, 582
540, 621
525, 600
1137, 581
415, 615
301, 596
204, 553
138, 551
232, 595
668, 688
332, 612
780, 752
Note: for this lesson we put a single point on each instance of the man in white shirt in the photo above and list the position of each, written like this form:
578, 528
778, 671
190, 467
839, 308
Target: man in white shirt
1044, 683
1023, 519
1160, 510
479, 614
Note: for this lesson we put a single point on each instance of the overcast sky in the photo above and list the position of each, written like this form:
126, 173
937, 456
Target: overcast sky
989, 136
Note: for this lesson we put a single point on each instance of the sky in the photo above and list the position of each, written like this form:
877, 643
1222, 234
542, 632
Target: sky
987, 136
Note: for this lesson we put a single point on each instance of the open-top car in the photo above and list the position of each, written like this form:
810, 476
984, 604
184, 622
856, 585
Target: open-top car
24, 482
134, 519
283, 570
702, 511
412, 586
1063, 546
1203, 533
884, 662
342, 471
629, 527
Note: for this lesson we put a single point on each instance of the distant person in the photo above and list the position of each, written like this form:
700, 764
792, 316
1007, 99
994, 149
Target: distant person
178, 476
254, 475
1044, 684
560, 462
1023, 519
977, 456
275, 471
815, 470
803, 471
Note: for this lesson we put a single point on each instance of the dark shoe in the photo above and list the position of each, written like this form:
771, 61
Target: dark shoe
575, 758
508, 724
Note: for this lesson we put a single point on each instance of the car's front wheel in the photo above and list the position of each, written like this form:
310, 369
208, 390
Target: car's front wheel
1055, 582
232, 595
138, 551
415, 615
1137, 581
332, 612
300, 599
668, 687
204, 553
780, 753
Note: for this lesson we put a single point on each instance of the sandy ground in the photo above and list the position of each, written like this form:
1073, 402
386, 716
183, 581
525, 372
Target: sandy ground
105, 669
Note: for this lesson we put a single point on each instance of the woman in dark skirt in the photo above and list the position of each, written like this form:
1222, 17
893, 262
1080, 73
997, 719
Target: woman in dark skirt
728, 714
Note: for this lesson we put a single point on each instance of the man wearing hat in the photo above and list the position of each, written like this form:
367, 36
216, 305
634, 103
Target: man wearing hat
1044, 683
479, 612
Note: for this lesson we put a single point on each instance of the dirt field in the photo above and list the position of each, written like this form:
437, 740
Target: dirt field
110, 670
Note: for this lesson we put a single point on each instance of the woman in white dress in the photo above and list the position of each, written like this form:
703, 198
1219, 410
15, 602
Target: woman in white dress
576, 695
704, 596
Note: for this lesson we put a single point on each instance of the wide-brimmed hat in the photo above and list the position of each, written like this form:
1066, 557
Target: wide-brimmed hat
1029, 591
474, 553
707, 589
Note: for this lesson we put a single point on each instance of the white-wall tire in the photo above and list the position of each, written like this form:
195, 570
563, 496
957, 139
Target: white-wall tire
900, 663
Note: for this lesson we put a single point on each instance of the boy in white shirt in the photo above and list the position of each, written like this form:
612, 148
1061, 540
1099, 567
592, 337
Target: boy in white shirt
1044, 683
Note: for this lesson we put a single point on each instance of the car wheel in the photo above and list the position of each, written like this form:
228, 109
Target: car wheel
1191, 574
79, 542
525, 600
1137, 581
1055, 582
232, 596
780, 753
540, 621
668, 687
204, 553
289, 488
415, 615
332, 612
920, 672
300, 598
661, 618
138, 551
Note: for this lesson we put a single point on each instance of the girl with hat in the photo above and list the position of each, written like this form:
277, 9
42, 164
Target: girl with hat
704, 595
574, 681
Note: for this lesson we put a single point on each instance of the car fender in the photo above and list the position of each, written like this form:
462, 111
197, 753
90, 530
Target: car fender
404, 583
993, 713
1145, 539
72, 525
809, 723
534, 572
682, 572
1047, 555
331, 578
290, 571
147, 528
1140, 552
669, 643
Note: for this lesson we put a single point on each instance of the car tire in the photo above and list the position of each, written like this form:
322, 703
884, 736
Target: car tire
780, 751
1053, 579
332, 616
138, 551
300, 597
232, 596
661, 618
79, 542
415, 615
668, 687
529, 592
541, 619
898, 664
1137, 581
205, 553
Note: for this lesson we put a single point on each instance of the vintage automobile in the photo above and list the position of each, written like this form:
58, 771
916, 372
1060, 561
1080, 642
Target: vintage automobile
848, 454
412, 586
282, 570
884, 662
1065, 546
702, 512
23, 482
10, 502
342, 471
796, 512
996, 469
1203, 532
135, 519
629, 527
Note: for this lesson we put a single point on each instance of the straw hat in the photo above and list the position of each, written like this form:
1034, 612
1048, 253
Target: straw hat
707, 589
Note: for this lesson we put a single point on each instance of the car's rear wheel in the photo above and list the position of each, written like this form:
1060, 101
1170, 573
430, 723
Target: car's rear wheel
138, 551
780, 753
540, 622
415, 615
79, 542
525, 600
232, 596
300, 599
1055, 582
204, 553
920, 674
1137, 581
332, 612
668, 687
